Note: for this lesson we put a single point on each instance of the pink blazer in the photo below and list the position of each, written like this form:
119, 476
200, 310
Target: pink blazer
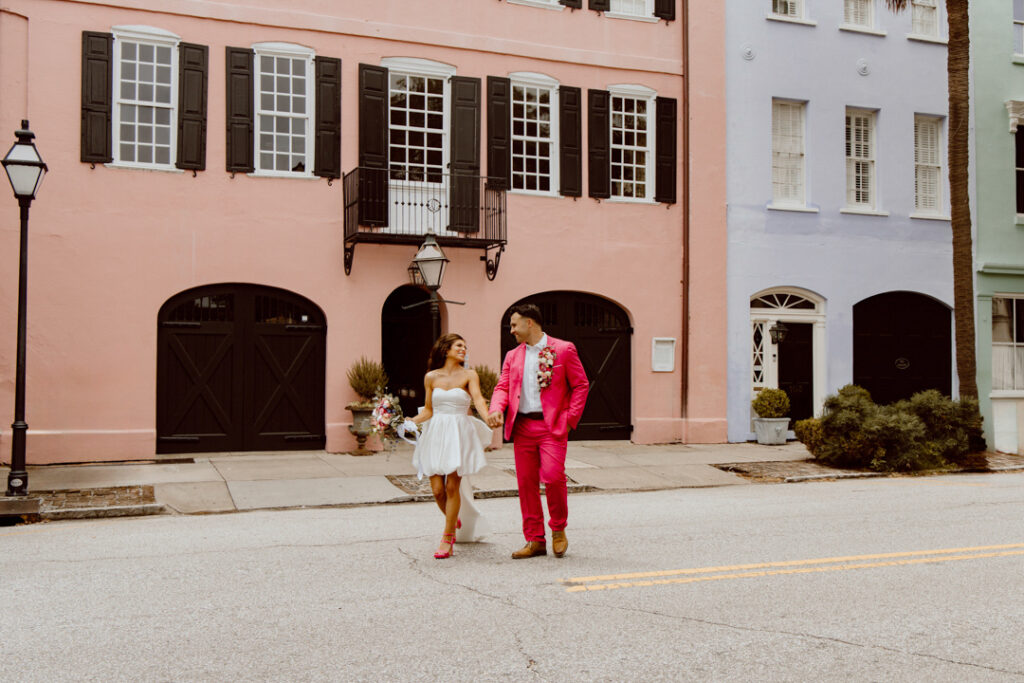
562, 401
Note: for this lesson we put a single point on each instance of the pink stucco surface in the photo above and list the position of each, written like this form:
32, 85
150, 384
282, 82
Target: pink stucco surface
109, 246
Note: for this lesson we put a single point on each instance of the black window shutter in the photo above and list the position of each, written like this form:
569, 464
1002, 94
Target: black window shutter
578, 4
373, 145
665, 9
192, 78
665, 154
601, 5
499, 132
599, 143
1020, 168
465, 154
327, 163
240, 113
97, 98
570, 132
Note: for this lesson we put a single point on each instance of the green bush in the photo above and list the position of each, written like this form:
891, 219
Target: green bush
808, 432
771, 403
367, 378
488, 380
925, 432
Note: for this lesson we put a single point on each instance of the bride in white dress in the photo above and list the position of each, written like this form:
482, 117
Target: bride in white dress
451, 443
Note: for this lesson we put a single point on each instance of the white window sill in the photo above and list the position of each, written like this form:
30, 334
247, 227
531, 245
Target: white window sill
791, 20
863, 212
1018, 59
861, 29
931, 217
1019, 219
538, 3
921, 38
629, 200
534, 193
633, 17
791, 207
282, 174
1006, 393
143, 167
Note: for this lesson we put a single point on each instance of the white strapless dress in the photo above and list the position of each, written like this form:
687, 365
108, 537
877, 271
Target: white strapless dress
453, 441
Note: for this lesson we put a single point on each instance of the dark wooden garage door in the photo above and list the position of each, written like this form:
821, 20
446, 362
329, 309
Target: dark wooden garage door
901, 345
601, 332
240, 368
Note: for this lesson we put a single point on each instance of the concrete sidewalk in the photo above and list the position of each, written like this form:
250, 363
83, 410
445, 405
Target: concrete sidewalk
229, 482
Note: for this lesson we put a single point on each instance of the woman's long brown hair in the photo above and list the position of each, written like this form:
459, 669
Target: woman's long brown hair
440, 350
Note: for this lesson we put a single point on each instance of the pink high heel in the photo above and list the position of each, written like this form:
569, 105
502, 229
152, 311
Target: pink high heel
450, 540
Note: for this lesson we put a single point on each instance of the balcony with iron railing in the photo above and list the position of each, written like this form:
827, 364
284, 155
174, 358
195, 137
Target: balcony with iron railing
401, 207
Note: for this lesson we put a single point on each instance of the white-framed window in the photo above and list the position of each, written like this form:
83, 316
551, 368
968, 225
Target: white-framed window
860, 159
788, 153
859, 13
534, 133
633, 8
1007, 343
1018, 171
145, 112
284, 109
928, 165
924, 18
1018, 27
793, 9
632, 142
418, 129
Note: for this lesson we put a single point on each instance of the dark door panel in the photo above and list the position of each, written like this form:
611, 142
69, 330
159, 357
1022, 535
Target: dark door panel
406, 338
796, 370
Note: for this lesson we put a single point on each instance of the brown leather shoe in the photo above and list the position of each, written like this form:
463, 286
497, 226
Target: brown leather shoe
559, 543
531, 549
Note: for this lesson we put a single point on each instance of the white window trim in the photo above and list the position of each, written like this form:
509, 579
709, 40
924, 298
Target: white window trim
276, 49
939, 24
158, 36
940, 212
1015, 22
854, 28
532, 78
865, 210
648, 16
870, 28
802, 204
418, 67
802, 19
542, 4
927, 39
638, 92
792, 207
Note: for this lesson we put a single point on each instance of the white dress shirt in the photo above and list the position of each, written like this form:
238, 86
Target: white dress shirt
529, 397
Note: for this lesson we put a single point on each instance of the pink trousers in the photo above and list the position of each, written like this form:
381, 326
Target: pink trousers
540, 457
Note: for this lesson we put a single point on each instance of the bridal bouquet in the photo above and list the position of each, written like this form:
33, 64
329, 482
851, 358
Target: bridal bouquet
387, 416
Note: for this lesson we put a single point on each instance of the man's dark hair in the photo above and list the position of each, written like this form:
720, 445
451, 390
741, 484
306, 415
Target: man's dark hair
529, 311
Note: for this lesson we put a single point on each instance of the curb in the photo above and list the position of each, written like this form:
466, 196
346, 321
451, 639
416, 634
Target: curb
112, 511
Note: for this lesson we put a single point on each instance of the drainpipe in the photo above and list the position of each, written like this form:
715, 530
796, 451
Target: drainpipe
684, 364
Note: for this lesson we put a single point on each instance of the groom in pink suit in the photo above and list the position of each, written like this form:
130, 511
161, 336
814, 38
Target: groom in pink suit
543, 388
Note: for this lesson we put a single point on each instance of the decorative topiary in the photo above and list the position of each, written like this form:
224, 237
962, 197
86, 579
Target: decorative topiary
771, 403
367, 378
808, 432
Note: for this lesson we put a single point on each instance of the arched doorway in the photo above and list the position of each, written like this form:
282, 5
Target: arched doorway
601, 332
240, 368
406, 337
902, 344
796, 364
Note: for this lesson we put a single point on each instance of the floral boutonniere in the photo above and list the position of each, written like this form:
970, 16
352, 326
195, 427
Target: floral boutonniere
545, 366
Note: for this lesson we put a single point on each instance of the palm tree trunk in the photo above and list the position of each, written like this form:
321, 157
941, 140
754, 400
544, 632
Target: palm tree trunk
958, 68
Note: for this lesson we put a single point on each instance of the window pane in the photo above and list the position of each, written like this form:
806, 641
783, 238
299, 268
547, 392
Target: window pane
1002, 320
1018, 320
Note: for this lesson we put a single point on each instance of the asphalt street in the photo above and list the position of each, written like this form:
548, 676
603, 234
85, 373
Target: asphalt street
909, 579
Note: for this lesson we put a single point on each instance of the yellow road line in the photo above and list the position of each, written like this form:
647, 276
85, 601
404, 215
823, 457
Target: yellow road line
789, 563
800, 570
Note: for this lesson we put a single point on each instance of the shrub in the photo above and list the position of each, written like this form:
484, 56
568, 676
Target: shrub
771, 403
899, 441
488, 380
367, 378
808, 432
844, 442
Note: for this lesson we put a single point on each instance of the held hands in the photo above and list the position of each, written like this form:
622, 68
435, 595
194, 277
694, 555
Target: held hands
495, 420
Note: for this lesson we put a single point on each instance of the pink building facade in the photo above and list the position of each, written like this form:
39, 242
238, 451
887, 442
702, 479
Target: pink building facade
236, 190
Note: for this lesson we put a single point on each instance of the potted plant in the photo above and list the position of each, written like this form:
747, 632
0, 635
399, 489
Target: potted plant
367, 378
771, 407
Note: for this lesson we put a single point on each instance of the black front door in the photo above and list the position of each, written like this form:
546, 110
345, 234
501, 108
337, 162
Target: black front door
240, 368
406, 338
796, 370
901, 345
602, 333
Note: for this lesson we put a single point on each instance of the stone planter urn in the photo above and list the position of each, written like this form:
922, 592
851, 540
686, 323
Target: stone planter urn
771, 431
361, 426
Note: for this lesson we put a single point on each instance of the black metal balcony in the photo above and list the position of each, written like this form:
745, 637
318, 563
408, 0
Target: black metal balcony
401, 207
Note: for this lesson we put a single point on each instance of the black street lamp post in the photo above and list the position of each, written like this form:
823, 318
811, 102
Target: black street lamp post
25, 169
